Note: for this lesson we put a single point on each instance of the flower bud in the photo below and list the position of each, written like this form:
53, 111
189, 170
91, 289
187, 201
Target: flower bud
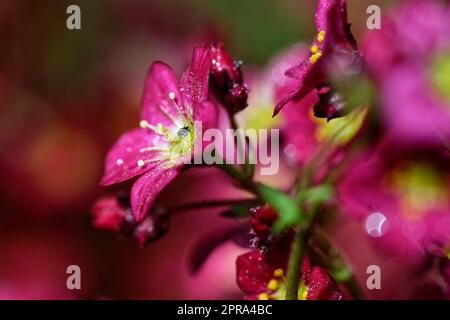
236, 98
330, 105
262, 220
224, 70
227, 76
112, 213
153, 227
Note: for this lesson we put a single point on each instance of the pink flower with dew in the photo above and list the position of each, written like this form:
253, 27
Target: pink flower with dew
158, 150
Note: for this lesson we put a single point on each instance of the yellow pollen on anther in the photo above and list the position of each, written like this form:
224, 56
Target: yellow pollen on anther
273, 285
140, 163
171, 95
263, 296
321, 36
278, 272
314, 48
315, 57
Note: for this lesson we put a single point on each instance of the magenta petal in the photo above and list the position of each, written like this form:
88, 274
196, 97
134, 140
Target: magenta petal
252, 273
122, 160
322, 286
323, 8
147, 187
194, 82
162, 98
296, 94
207, 113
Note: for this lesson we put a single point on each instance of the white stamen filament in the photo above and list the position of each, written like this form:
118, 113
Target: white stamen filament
142, 162
148, 149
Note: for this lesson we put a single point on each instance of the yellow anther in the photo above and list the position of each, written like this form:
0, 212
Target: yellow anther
321, 36
140, 163
278, 272
263, 296
315, 57
314, 48
273, 285
171, 95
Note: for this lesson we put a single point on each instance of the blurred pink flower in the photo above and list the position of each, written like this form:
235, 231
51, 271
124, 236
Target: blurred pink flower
113, 213
409, 58
156, 151
403, 198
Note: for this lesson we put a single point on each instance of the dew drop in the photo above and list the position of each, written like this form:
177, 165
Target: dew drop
374, 224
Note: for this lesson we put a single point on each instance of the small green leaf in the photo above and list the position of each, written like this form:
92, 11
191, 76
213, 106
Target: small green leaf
319, 194
285, 205
342, 275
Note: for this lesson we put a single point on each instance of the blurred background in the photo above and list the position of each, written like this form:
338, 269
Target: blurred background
65, 97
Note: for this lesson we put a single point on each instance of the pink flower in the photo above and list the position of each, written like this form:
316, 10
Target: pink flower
333, 50
301, 132
409, 58
402, 195
156, 152
261, 275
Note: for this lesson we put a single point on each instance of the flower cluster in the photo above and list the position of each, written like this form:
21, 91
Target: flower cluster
262, 276
364, 133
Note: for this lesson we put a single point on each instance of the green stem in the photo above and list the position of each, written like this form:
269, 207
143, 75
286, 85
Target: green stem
241, 148
298, 250
294, 266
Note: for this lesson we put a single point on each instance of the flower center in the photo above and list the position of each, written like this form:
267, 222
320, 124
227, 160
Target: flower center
175, 140
440, 73
419, 188
341, 130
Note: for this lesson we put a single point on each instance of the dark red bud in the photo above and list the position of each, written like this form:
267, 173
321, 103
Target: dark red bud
236, 98
262, 220
227, 77
331, 105
152, 228
223, 68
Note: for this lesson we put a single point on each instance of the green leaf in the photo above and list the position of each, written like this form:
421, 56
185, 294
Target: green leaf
284, 204
342, 274
319, 194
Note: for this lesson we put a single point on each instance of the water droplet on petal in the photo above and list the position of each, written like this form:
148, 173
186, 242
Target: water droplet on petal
375, 224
